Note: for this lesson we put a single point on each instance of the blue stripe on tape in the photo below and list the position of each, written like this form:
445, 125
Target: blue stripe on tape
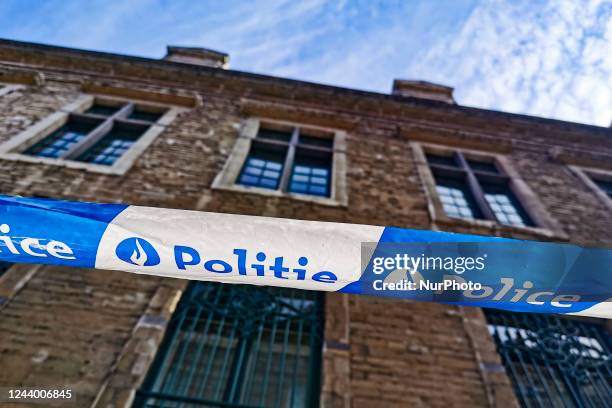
36, 230
519, 275
401, 235
516, 275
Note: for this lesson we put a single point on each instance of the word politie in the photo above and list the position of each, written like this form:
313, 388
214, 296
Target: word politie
185, 256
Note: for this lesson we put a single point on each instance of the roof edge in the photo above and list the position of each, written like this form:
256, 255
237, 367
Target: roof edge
246, 74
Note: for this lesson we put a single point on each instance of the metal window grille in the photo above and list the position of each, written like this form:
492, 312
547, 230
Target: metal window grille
239, 346
476, 190
99, 135
554, 361
289, 161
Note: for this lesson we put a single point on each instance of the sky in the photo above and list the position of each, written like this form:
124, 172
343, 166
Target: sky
544, 58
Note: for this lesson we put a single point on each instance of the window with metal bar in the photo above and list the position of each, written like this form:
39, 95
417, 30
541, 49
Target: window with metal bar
311, 173
100, 135
475, 189
264, 165
554, 361
239, 346
63, 139
291, 161
113, 145
456, 198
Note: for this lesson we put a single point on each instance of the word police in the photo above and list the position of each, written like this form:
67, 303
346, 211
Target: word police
185, 256
34, 246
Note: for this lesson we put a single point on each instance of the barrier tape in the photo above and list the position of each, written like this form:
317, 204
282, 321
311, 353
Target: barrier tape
360, 259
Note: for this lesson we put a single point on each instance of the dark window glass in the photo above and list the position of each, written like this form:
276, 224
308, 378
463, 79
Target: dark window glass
504, 205
59, 142
238, 346
435, 159
145, 116
102, 110
605, 186
263, 166
274, 135
456, 198
311, 173
486, 167
112, 146
316, 141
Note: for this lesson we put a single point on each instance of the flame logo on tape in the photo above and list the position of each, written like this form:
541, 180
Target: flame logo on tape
137, 251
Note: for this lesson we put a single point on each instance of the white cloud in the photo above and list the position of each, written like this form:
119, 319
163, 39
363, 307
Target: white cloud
545, 58
551, 59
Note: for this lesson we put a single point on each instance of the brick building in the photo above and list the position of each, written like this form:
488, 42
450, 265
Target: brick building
185, 132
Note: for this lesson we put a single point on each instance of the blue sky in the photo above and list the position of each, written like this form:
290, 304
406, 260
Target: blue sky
545, 58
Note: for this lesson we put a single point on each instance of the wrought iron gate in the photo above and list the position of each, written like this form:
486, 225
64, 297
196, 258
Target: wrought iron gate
239, 346
554, 361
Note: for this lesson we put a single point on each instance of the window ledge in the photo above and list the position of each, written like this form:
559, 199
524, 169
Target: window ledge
237, 188
503, 230
71, 164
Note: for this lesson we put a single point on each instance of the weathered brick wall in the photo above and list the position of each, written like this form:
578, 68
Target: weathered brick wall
80, 327
67, 327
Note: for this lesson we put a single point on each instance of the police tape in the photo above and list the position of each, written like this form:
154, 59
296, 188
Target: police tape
360, 259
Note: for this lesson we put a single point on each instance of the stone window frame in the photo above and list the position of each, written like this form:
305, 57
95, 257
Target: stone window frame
227, 177
546, 227
586, 175
14, 279
13, 148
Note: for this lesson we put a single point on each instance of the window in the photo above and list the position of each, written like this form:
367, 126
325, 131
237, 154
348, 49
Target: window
237, 346
100, 135
275, 158
456, 198
476, 189
554, 361
598, 180
264, 166
310, 174
113, 145
60, 141
290, 160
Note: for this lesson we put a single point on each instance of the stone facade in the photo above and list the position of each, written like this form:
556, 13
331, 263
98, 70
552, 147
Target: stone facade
98, 331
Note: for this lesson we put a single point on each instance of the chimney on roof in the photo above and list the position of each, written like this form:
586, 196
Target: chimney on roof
423, 90
197, 56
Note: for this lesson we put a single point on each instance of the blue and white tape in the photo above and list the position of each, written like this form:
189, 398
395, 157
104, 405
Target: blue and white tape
350, 258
